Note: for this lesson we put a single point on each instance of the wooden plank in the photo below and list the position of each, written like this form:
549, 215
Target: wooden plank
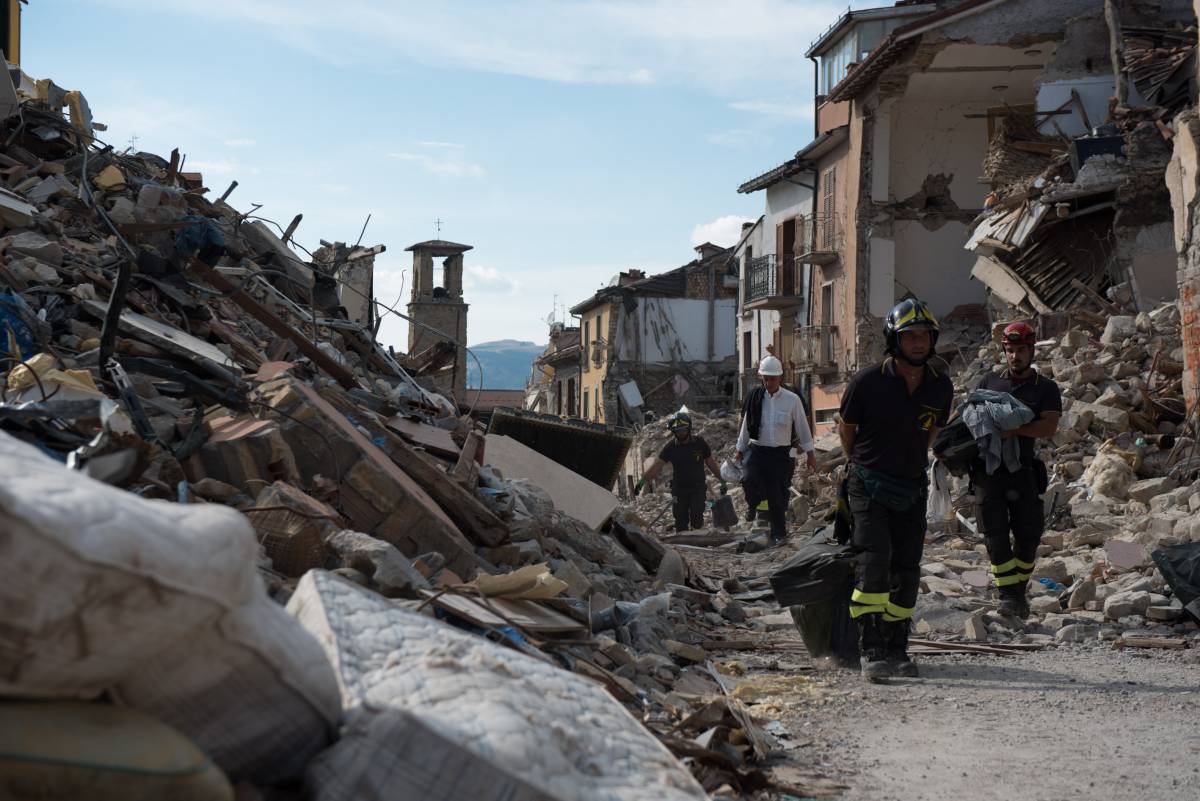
527, 615
433, 439
466, 470
1170, 643
163, 336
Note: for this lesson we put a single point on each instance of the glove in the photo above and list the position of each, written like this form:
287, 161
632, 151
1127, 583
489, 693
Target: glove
637, 490
724, 487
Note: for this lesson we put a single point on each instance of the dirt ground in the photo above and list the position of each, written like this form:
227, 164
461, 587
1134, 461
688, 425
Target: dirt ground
1073, 721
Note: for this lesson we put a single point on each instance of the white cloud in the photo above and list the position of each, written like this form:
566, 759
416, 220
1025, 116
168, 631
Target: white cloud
240, 142
488, 280
741, 138
724, 231
441, 145
790, 109
218, 167
711, 43
450, 165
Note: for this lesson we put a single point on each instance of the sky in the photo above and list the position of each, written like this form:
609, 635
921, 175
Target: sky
566, 141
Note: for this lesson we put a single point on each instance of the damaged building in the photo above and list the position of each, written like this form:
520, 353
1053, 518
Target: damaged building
654, 343
989, 157
554, 383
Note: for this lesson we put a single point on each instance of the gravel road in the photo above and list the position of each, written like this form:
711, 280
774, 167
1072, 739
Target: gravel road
1080, 721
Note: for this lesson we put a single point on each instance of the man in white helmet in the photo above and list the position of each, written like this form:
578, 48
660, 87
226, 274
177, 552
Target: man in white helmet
773, 422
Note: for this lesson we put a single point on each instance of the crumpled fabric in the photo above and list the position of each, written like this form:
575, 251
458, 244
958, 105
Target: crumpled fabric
988, 414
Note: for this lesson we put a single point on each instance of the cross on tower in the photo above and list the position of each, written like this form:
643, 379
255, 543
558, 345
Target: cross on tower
438, 221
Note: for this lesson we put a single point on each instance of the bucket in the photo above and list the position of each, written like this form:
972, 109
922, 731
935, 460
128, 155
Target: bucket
723, 515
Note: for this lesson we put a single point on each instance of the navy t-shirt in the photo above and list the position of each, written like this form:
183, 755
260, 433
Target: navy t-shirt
687, 463
892, 433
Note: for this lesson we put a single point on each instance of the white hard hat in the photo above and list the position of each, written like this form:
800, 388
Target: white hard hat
770, 366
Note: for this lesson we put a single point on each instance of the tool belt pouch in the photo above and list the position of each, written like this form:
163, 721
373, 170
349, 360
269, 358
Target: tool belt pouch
1041, 478
897, 494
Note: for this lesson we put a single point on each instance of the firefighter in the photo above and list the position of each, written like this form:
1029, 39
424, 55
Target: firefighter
1008, 505
688, 455
773, 425
889, 414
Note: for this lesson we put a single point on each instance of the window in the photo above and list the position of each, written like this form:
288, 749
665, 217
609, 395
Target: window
747, 350
828, 209
587, 345
571, 410
585, 404
558, 399
827, 322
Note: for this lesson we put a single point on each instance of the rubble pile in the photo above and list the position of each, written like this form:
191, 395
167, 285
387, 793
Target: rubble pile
173, 364
1124, 482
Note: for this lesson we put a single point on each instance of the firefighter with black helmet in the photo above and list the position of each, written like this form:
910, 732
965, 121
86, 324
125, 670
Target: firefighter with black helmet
688, 455
890, 413
1008, 504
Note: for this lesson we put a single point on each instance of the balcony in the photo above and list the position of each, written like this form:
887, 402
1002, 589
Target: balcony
814, 348
826, 247
772, 283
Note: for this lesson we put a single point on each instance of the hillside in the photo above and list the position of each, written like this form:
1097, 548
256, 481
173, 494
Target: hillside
506, 363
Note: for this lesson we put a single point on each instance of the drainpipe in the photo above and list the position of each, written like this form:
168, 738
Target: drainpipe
810, 273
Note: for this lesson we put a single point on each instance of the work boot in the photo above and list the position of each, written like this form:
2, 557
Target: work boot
895, 635
873, 650
1013, 602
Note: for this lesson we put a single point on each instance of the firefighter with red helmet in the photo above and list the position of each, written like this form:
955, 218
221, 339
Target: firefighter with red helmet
1008, 504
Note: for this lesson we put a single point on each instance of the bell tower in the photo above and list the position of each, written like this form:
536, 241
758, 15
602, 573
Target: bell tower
437, 301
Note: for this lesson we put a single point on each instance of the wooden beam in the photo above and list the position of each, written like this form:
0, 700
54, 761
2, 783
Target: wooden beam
239, 296
1116, 46
476, 520
466, 470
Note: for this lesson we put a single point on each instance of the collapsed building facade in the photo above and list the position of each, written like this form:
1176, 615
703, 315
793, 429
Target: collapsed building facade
959, 157
654, 343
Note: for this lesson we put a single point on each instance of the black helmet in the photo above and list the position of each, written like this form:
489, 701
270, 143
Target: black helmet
680, 420
909, 314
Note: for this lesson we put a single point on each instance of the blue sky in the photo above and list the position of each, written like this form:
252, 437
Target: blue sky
565, 140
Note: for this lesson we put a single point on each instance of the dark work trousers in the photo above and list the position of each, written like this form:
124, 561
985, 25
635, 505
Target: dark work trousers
1008, 511
888, 572
752, 499
770, 471
688, 508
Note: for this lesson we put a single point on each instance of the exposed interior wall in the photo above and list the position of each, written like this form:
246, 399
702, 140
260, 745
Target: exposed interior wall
676, 330
934, 138
1154, 263
934, 266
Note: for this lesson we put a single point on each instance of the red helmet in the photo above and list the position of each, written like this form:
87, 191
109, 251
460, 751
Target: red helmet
1019, 333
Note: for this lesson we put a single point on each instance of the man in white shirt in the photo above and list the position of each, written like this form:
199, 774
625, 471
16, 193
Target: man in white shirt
773, 422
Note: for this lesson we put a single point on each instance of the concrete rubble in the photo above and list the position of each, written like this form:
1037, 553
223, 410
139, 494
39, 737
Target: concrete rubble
193, 432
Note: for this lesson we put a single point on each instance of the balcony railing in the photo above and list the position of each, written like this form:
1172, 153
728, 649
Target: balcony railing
814, 348
772, 282
826, 247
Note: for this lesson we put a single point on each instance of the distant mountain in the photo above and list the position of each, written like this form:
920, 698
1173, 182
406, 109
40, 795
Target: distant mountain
506, 363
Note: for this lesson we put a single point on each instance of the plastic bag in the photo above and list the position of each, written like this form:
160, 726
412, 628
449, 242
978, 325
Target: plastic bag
733, 472
940, 505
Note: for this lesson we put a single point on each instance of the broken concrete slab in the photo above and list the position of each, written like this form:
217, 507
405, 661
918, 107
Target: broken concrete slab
243, 452
572, 493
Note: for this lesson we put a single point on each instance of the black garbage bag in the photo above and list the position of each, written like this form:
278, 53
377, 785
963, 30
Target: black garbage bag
818, 572
955, 445
815, 585
1180, 566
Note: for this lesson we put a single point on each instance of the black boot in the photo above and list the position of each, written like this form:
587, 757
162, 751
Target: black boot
895, 635
1013, 602
873, 650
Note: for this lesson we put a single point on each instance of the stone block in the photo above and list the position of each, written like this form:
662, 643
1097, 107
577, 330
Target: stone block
1045, 604
389, 570
1084, 592
1123, 604
1118, 329
1077, 632
1149, 488
1125, 555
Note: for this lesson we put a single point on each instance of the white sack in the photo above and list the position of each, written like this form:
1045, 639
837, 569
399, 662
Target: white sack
160, 604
